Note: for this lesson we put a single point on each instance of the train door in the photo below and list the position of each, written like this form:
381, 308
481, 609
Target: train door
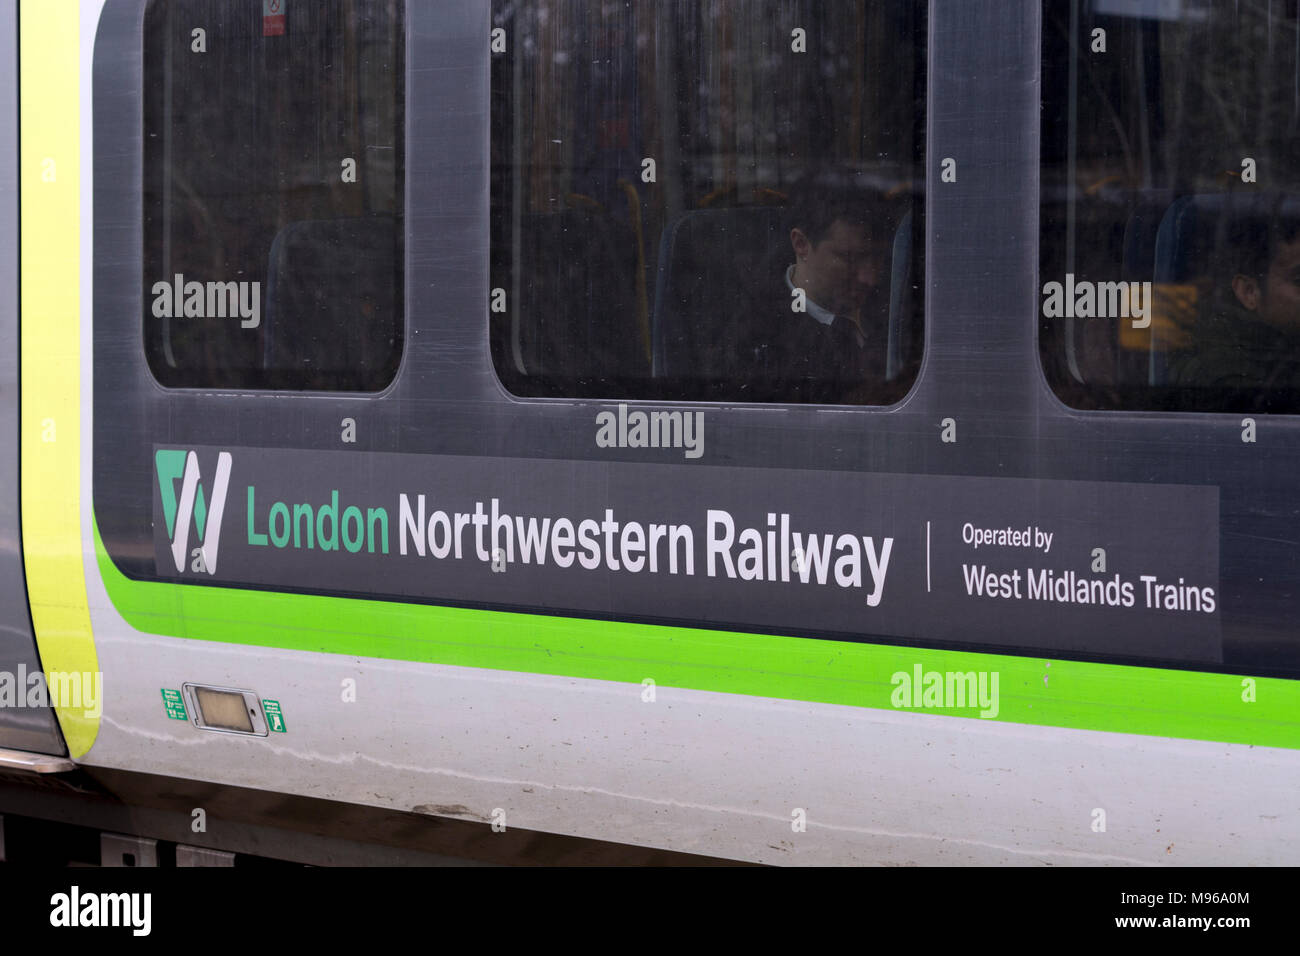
26, 721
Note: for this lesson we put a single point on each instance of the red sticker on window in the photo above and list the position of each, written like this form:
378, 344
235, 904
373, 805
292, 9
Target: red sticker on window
273, 17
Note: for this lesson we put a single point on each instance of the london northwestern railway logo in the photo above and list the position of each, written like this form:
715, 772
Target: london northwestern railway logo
192, 507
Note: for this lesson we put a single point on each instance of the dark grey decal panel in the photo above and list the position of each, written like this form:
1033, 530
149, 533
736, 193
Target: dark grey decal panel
22, 727
1233, 517
963, 560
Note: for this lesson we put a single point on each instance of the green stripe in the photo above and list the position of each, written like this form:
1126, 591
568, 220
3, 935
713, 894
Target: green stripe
1109, 697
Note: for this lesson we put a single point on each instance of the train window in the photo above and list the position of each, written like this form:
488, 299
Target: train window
1170, 216
273, 193
708, 199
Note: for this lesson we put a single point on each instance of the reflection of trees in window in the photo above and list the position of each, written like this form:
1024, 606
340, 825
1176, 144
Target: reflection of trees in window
711, 90
1175, 102
1236, 83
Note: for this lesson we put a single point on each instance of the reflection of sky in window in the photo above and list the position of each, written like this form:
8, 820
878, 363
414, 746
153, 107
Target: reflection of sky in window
1187, 10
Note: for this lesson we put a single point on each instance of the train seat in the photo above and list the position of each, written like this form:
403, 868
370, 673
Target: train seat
901, 349
707, 258
1139, 265
332, 296
1115, 237
1185, 241
575, 320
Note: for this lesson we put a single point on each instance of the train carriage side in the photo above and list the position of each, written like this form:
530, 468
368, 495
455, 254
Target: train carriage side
421, 475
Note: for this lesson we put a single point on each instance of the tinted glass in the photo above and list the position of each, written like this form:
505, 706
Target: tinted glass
651, 163
1171, 204
273, 193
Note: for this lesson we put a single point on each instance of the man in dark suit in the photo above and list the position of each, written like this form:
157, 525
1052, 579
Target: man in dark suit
1247, 338
815, 326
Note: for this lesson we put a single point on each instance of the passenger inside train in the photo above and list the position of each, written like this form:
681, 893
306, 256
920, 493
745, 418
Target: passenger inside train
640, 243
814, 327
1248, 334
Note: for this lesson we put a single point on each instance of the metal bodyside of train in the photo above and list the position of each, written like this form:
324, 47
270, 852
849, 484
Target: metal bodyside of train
332, 577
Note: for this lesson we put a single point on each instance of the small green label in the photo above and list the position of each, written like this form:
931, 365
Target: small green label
274, 719
174, 704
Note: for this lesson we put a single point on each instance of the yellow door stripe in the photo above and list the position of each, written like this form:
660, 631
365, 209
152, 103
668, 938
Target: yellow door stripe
50, 126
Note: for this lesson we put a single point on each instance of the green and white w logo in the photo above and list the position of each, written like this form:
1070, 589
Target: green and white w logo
192, 504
